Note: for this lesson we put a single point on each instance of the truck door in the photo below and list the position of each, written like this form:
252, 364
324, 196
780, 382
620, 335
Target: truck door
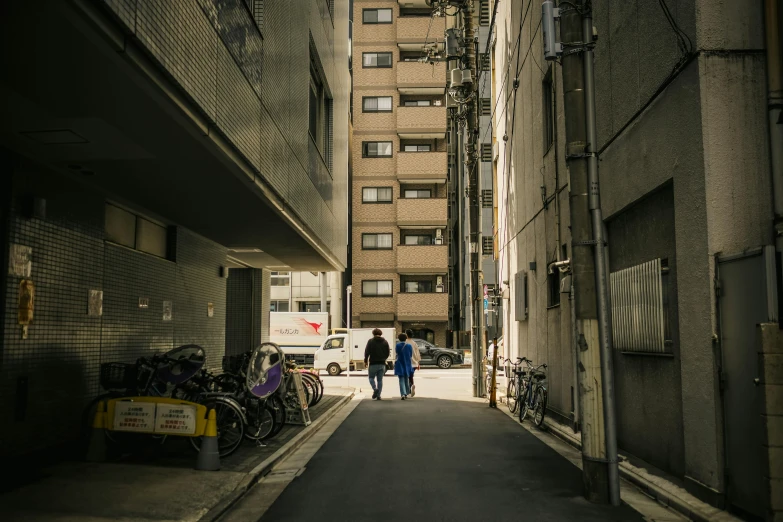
334, 351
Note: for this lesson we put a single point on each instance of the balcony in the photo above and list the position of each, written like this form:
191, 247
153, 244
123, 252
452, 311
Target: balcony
422, 259
421, 213
422, 167
421, 123
414, 31
421, 78
422, 307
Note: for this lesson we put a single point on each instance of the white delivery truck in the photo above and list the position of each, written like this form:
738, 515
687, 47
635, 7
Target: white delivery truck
344, 349
299, 334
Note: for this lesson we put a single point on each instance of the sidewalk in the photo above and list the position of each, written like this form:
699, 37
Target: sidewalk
159, 486
654, 483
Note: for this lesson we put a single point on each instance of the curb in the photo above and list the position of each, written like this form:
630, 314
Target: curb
266, 466
682, 502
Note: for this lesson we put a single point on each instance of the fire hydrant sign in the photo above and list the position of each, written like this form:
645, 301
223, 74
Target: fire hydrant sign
134, 416
175, 419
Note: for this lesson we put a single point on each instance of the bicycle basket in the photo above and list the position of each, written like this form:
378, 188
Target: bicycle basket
118, 376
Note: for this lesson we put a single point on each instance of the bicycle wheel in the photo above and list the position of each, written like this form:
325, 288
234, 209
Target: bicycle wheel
511, 396
525, 403
260, 420
230, 426
539, 411
278, 405
310, 384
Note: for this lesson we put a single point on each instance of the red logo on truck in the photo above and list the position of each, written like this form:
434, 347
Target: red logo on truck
314, 326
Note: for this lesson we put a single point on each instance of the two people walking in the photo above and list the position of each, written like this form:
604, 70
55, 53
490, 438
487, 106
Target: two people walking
406, 363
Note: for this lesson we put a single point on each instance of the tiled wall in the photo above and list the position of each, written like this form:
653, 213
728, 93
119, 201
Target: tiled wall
47, 379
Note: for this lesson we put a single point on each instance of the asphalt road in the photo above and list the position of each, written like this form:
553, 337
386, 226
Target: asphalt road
439, 456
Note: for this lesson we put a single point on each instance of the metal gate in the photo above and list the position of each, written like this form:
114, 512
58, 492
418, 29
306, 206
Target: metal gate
747, 296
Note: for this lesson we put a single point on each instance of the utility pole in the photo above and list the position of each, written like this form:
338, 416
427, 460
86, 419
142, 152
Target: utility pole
588, 264
462, 56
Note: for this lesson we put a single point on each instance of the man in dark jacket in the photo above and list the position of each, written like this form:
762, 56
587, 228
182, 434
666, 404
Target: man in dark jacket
375, 355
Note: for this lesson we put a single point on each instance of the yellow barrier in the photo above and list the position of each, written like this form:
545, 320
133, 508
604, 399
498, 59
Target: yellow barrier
156, 415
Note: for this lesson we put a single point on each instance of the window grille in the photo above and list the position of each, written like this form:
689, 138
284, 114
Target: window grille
486, 152
640, 308
484, 15
485, 62
488, 246
486, 106
486, 198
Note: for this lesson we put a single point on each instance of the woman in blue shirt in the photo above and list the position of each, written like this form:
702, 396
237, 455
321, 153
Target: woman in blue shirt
403, 367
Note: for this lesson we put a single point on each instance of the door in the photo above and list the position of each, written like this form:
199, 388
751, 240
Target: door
426, 351
333, 352
742, 301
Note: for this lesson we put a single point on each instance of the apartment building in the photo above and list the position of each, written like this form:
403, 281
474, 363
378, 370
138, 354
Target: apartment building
158, 160
399, 205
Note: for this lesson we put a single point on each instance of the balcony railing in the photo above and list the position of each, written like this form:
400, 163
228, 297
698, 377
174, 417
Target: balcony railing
422, 307
421, 122
421, 78
423, 167
431, 212
422, 259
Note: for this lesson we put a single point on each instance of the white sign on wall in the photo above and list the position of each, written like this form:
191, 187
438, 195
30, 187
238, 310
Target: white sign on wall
20, 262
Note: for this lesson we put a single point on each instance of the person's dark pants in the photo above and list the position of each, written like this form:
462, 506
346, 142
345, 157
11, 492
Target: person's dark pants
411, 378
376, 371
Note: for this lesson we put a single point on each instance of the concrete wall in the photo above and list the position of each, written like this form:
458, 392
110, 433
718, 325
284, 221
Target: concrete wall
684, 175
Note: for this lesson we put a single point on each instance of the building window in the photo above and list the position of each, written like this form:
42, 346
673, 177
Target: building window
309, 307
520, 296
376, 241
484, 14
640, 308
278, 306
376, 60
418, 287
377, 195
132, 231
417, 103
281, 279
488, 246
485, 62
487, 200
417, 194
486, 152
376, 149
377, 104
417, 148
548, 111
418, 239
485, 106
376, 288
553, 287
377, 16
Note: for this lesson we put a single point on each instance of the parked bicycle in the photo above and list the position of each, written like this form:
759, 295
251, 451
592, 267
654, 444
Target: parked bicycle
532, 396
176, 374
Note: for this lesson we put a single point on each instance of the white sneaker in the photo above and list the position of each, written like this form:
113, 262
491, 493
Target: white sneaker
413, 390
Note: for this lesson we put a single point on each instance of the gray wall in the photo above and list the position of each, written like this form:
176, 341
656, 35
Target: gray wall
61, 358
649, 402
684, 175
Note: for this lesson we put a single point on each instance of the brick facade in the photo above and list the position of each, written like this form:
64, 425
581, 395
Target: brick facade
412, 168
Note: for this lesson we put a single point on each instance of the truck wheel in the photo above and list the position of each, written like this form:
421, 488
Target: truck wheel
334, 369
444, 362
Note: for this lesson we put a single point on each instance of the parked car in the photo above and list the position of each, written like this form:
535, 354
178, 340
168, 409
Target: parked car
434, 355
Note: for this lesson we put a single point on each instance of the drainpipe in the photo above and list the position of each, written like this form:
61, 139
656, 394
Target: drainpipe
772, 23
